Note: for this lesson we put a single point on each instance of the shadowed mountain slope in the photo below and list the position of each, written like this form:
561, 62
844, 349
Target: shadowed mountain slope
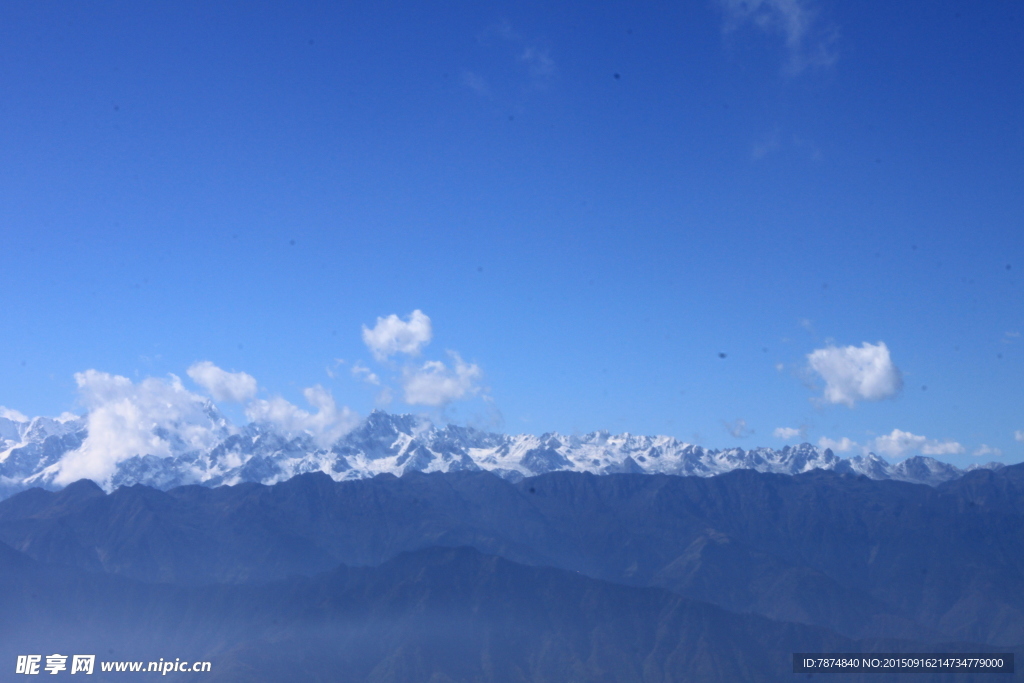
439, 614
866, 558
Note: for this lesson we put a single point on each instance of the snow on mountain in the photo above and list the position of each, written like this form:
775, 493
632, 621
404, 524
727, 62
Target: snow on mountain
34, 451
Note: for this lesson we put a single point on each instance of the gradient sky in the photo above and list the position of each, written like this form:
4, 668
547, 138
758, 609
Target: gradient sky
592, 203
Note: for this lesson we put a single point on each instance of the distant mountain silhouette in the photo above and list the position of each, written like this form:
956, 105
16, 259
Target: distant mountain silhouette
868, 559
438, 614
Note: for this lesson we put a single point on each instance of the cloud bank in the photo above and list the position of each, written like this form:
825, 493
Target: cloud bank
852, 373
160, 417
125, 419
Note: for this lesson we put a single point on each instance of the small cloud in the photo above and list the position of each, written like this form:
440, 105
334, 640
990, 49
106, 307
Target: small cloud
738, 429
1010, 337
360, 371
984, 449
809, 42
11, 414
435, 384
237, 387
841, 446
788, 433
851, 373
899, 444
1019, 435
392, 335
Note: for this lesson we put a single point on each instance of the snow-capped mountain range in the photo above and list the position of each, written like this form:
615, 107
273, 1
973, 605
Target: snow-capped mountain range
34, 451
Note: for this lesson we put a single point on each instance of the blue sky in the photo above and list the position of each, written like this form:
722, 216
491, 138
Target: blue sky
591, 204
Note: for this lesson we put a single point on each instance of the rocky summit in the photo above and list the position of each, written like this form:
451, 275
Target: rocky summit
34, 451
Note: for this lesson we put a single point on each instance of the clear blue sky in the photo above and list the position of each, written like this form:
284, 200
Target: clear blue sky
591, 202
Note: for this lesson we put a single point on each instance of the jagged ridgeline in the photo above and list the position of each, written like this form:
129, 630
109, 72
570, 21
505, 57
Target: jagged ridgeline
32, 453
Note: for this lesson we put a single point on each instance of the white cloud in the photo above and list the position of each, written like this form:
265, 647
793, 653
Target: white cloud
738, 429
808, 41
126, 419
851, 373
391, 335
787, 433
360, 371
841, 446
238, 387
435, 384
899, 444
13, 415
326, 425
1019, 435
985, 449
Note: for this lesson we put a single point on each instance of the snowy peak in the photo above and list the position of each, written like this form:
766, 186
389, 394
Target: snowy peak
35, 452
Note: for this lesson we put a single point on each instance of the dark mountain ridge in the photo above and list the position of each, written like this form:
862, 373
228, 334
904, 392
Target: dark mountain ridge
863, 557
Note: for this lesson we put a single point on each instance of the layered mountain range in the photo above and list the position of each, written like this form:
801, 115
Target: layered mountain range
34, 451
466, 576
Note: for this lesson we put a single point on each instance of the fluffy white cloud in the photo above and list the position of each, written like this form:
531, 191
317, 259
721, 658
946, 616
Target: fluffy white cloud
787, 433
985, 449
852, 373
898, 444
126, 419
392, 335
841, 446
223, 385
1019, 435
435, 384
12, 415
326, 425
